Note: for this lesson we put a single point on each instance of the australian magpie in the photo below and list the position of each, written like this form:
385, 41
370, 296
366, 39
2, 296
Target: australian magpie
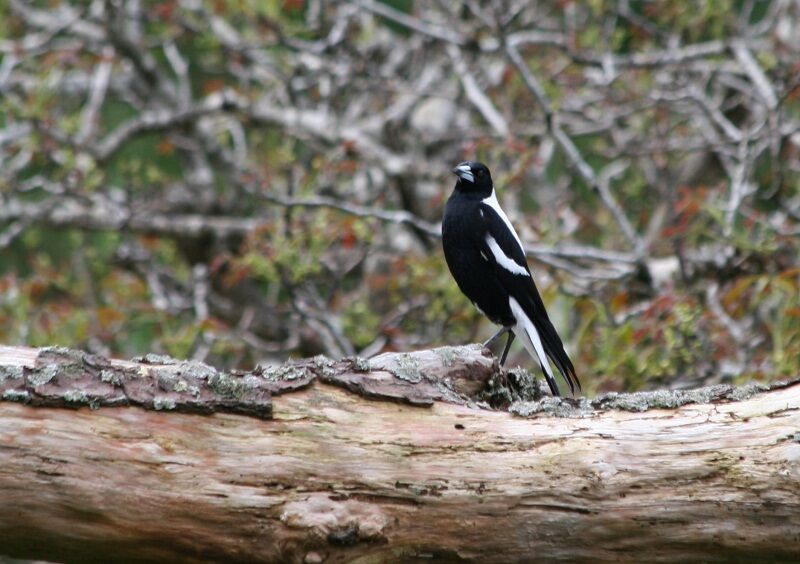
486, 258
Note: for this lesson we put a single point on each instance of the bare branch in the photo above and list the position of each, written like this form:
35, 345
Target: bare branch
415, 24
474, 93
761, 82
97, 96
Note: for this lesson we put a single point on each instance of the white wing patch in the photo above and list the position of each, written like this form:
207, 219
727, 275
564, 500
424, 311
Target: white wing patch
492, 202
502, 259
529, 336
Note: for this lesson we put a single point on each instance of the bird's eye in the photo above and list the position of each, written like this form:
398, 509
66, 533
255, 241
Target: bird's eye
479, 172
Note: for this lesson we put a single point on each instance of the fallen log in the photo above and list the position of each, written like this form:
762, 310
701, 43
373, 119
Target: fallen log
389, 460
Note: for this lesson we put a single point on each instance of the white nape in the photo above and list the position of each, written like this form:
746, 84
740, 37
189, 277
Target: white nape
492, 202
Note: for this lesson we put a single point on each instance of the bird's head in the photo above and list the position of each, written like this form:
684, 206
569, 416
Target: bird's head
474, 177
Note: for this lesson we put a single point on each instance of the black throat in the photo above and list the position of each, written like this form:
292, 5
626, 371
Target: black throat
473, 190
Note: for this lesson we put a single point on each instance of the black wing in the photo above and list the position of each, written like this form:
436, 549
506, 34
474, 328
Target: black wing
509, 268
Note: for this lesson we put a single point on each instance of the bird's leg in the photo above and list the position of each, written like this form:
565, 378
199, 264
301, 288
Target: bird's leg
495, 336
510, 340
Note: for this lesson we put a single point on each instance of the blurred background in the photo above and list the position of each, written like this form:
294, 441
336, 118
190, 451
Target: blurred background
245, 181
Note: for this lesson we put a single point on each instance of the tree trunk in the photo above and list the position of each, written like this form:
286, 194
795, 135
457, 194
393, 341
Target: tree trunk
309, 463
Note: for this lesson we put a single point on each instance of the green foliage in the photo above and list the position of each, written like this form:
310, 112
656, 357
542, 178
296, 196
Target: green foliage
663, 344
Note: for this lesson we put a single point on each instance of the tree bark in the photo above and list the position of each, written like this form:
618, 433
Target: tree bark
309, 463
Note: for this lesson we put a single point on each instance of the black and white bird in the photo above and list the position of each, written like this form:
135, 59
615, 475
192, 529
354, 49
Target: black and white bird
486, 258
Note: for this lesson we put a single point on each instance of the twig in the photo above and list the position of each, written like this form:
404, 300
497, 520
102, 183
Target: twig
735, 330
601, 185
756, 75
97, 96
415, 24
474, 93
391, 216
10, 234
159, 120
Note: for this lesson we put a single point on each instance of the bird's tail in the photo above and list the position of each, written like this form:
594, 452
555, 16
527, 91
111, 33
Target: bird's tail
543, 342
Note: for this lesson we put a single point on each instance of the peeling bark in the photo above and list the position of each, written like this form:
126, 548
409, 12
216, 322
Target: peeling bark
300, 464
61, 377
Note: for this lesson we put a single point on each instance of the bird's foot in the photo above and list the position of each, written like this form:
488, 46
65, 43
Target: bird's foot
508, 346
494, 337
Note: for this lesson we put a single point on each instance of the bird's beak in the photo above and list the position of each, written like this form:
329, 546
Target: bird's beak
464, 172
